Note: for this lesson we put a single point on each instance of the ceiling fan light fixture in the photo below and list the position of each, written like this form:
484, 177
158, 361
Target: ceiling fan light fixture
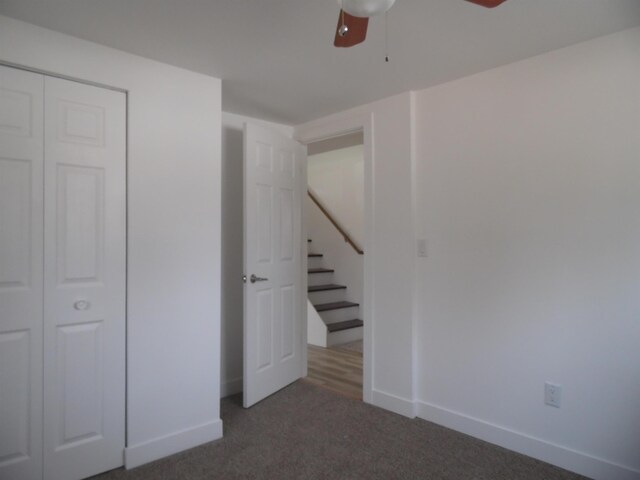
365, 8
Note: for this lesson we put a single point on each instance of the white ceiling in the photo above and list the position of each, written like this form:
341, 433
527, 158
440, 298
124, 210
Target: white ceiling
276, 57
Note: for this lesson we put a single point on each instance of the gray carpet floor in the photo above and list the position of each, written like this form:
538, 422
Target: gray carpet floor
305, 432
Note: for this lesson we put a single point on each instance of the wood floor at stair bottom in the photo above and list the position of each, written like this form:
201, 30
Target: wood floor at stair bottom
335, 369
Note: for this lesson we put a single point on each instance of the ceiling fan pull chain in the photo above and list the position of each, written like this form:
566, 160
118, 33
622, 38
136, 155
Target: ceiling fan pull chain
386, 36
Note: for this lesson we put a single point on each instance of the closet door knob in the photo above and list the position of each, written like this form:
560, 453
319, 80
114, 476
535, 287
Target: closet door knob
82, 305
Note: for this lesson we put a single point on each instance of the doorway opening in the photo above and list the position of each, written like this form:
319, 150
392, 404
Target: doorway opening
274, 349
334, 218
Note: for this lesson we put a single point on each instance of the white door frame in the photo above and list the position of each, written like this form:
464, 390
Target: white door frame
337, 128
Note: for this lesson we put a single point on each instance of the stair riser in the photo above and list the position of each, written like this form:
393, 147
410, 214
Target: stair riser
340, 315
315, 262
344, 336
327, 296
319, 278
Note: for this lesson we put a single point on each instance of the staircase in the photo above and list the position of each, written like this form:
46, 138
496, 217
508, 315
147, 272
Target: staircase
339, 315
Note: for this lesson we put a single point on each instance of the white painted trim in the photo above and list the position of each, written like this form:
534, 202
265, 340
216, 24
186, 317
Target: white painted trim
337, 128
567, 458
316, 328
160, 447
393, 403
304, 265
61, 76
323, 131
416, 294
231, 387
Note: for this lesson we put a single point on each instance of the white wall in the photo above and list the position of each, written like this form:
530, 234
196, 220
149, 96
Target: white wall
337, 180
173, 251
232, 247
528, 183
388, 246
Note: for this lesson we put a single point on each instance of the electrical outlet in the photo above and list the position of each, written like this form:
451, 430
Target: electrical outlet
552, 394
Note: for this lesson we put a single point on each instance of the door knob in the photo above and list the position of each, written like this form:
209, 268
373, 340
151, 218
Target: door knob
255, 279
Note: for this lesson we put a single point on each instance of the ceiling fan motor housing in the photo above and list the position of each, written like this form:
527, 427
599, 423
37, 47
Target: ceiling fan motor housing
365, 8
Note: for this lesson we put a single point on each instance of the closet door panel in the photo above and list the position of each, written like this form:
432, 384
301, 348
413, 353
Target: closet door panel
84, 320
21, 277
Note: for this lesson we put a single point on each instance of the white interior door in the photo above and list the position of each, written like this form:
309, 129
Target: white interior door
84, 281
274, 296
21, 244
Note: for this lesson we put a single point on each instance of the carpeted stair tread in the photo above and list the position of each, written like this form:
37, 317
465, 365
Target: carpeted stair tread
346, 325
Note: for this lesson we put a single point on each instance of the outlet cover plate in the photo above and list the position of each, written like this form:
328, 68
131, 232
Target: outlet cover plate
552, 394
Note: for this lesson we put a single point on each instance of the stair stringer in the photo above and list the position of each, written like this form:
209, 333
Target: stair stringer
316, 328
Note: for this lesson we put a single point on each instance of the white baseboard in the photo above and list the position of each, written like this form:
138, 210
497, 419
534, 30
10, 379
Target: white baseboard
578, 462
161, 447
393, 403
231, 387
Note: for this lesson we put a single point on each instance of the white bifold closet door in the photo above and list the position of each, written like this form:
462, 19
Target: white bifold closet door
70, 363
84, 279
21, 273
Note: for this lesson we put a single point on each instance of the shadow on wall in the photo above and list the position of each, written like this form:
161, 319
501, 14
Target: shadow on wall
232, 261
